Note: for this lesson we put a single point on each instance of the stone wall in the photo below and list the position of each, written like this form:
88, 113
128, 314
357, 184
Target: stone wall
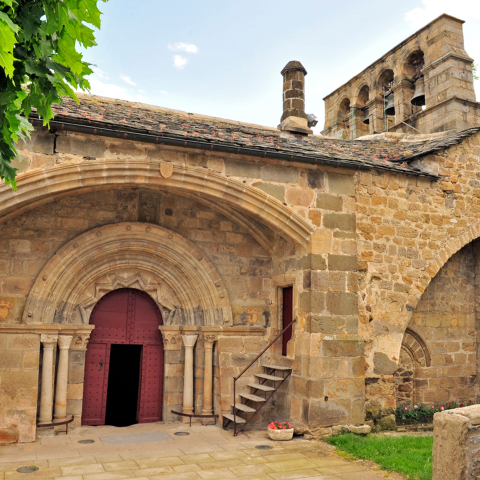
32, 238
19, 359
407, 229
275, 224
445, 319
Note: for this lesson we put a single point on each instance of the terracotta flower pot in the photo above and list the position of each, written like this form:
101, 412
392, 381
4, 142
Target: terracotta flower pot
283, 434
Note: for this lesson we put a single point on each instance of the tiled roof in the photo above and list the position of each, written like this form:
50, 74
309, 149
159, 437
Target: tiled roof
146, 119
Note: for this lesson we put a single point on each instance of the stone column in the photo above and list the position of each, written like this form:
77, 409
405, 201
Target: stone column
46, 396
189, 343
64, 342
174, 367
208, 341
76, 373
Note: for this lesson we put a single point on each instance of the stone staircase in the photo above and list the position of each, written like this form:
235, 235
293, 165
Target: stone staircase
261, 391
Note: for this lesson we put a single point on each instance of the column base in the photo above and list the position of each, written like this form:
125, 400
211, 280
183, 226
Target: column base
45, 431
208, 421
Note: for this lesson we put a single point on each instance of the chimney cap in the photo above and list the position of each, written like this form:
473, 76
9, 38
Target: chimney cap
293, 65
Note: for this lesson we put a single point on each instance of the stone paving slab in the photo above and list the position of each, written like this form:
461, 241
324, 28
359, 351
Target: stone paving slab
132, 438
207, 453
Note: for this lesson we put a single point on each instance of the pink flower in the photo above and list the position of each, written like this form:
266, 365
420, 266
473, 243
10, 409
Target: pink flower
442, 408
415, 406
405, 408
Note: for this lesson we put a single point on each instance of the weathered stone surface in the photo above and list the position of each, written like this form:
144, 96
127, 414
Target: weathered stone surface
94, 148
8, 435
358, 429
342, 221
243, 169
341, 184
276, 191
279, 174
342, 303
315, 180
342, 262
383, 365
387, 423
329, 202
452, 457
352, 347
299, 196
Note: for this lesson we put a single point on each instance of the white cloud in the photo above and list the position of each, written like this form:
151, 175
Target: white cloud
127, 79
105, 89
163, 92
183, 47
179, 61
464, 9
98, 72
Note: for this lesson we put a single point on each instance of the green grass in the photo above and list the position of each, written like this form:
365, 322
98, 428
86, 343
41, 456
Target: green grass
410, 456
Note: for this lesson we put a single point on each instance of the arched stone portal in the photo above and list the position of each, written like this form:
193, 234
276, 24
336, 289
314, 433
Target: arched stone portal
176, 273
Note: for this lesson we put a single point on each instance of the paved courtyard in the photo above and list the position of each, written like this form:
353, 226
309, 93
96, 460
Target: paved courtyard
153, 451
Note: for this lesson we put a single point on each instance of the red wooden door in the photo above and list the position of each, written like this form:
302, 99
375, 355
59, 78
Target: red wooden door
149, 408
287, 314
131, 317
96, 382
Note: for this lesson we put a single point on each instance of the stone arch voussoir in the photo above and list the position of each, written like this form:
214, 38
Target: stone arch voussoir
37, 187
449, 248
416, 347
171, 269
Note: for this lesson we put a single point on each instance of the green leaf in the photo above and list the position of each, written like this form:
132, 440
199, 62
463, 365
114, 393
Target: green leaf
14, 27
7, 42
38, 47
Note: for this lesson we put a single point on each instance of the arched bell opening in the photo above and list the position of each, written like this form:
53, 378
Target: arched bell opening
344, 118
362, 124
413, 71
385, 92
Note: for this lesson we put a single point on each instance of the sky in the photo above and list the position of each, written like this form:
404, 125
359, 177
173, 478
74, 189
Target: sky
223, 58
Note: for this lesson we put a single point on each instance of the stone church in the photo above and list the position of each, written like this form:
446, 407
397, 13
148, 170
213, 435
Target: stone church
150, 255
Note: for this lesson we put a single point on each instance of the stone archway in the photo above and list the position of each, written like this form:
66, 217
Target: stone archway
414, 353
176, 273
38, 187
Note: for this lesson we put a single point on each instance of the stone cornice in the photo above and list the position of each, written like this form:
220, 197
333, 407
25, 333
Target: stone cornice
47, 328
220, 330
457, 55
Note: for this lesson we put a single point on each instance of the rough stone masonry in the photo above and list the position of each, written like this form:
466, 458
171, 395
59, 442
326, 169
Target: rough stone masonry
213, 219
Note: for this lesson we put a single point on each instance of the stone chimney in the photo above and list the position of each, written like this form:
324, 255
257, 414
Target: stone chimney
294, 118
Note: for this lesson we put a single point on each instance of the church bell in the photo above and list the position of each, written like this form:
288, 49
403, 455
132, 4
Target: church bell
366, 119
418, 98
390, 107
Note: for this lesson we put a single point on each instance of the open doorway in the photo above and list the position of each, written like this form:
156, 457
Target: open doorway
123, 384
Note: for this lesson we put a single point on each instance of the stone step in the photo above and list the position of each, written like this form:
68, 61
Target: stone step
258, 386
234, 418
253, 398
269, 377
277, 367
244, 408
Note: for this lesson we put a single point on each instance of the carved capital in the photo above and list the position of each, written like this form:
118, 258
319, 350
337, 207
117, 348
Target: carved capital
64, 341
171, 341
80, 341
189, 340
209, 340
48, 340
